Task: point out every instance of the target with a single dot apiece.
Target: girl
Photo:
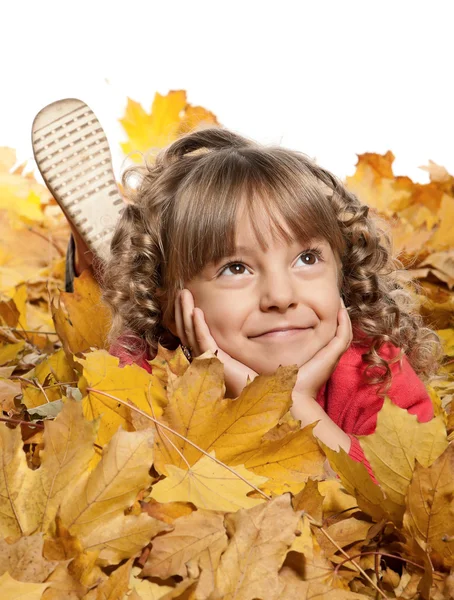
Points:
(262, 256)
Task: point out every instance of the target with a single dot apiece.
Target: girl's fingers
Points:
(179, 320)
(187, 308)
(203, 335)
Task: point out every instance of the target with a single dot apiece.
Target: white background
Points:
(332, 78)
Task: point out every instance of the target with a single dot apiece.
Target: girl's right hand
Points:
(194, 333)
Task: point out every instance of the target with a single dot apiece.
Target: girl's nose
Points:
(278, 293)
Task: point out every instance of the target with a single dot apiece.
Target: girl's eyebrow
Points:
(249, 250)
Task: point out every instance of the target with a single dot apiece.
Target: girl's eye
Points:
(311, 257)
(235, 268)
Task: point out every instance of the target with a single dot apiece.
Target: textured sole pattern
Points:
(73, 156)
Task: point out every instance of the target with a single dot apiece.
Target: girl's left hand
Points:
(313, 374)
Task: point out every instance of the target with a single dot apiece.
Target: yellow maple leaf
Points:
(94, 510)
(130, 383)
(359, 484)
(288, 462)
(170, 117)
(233, 428)
(374, 182)
(443, 237)
(208, 485)
(399, 440)
(68, 449)
(81, 319)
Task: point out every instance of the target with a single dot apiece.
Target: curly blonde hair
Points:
(181, 216)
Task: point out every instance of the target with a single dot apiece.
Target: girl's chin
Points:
(270, 367)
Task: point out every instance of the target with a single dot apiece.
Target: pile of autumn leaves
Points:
(116, 483)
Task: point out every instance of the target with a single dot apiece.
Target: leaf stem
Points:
(349, 559)
(21, 422)
(156, 422)
(376, 553)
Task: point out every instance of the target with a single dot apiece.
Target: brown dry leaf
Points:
(429, 515)
(209, 485)
(222, 425)
(9, 315)
(8, 391)
(24, 561)
(18, 590)
(117, 585)
(344, 533)
(442, 261)
(288, 462)
(398, 441)
(291, 587)
(130, 383)
(259, 541)
(310, 501)
(196, 544)
(437, 305)
(168, 512)
(81, 319)
(63, 585)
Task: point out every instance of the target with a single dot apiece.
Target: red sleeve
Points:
(354, 404)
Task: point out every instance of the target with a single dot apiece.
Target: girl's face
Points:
(289, 287)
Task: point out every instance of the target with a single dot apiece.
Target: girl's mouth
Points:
(281, 334)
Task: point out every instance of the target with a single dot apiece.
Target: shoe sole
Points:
(73, 156)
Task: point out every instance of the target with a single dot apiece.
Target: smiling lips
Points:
(284, 332)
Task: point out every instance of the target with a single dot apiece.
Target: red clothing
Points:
(351, 404)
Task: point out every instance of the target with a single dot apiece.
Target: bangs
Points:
(273, 186)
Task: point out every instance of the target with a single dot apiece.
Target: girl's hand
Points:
(194, 333)
(313, 374)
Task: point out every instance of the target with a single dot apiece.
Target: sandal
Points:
(73, 156)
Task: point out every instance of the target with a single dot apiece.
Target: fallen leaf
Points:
(259, 541)
(130, 383)
(208, 485)
(18, 590)
(398, 441)
(221, 425)
(288, 462)
(81, 319)
(196, 544)
(68, 449)
(104, 493)
(24, 561)
(359, 484)
(429, 506)
(309, 500)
